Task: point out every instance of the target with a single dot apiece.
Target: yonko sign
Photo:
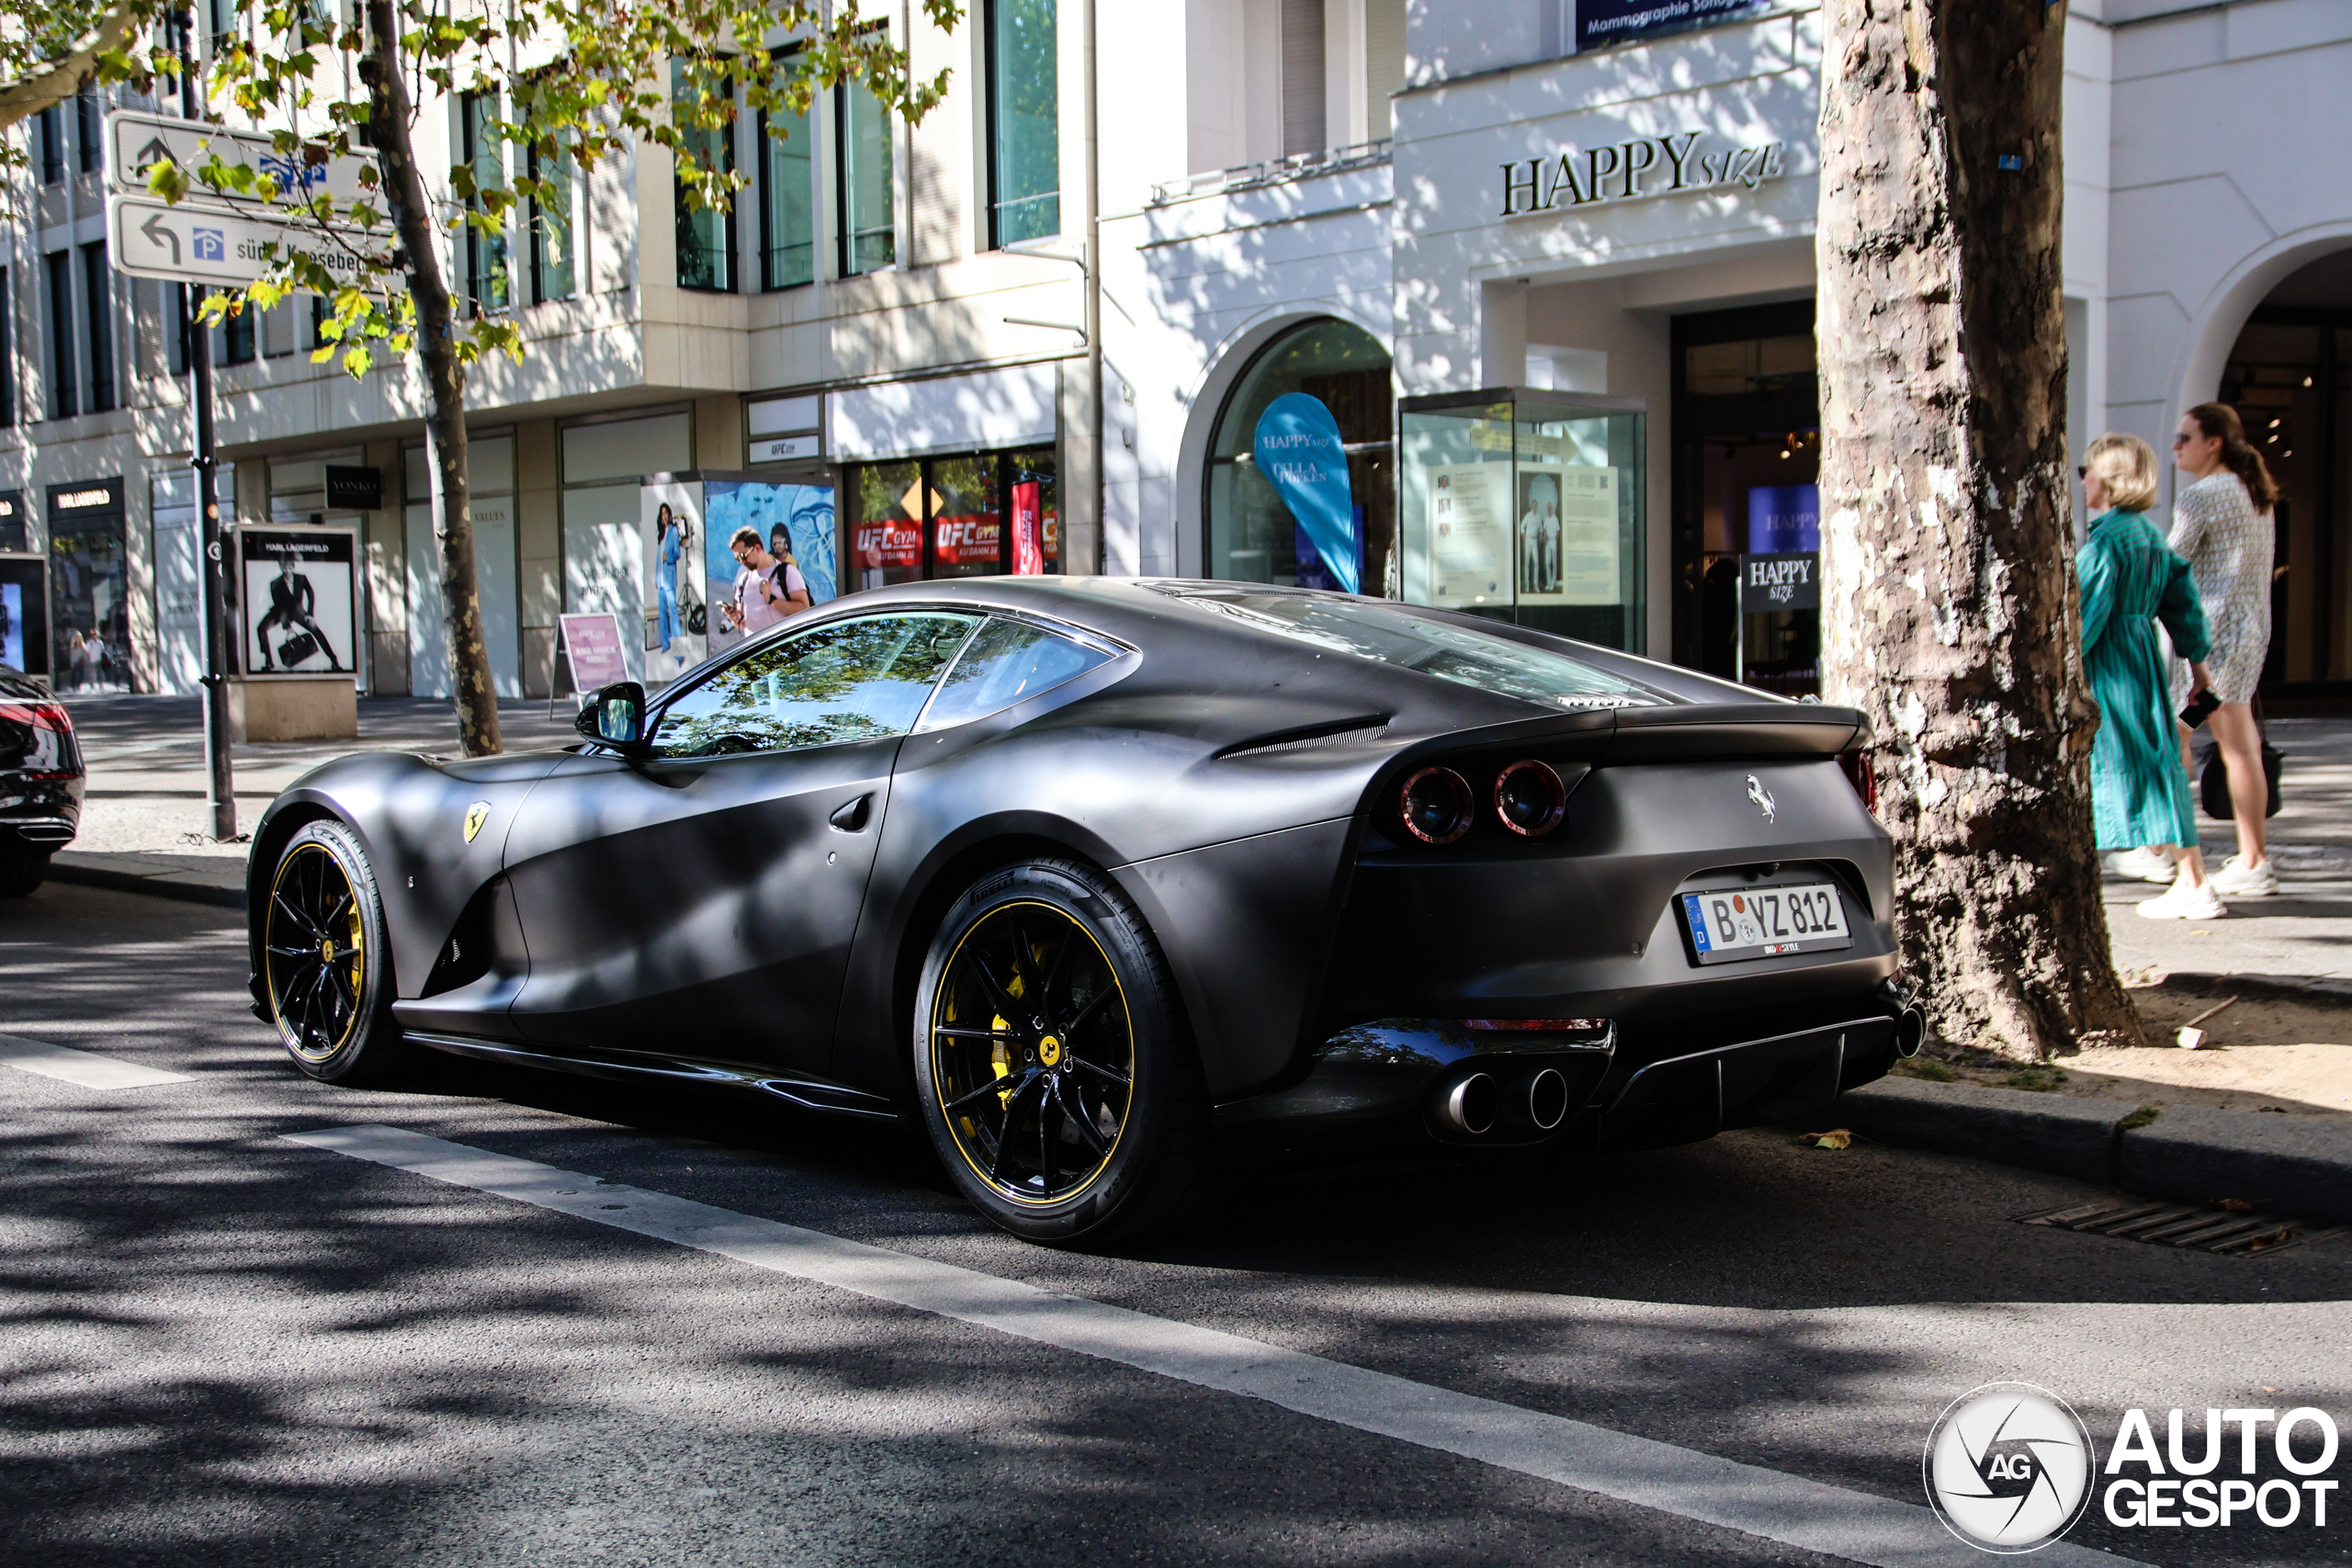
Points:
(2010, 1468)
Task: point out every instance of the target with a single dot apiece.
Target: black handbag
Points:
(299, 647)
(2213, 781)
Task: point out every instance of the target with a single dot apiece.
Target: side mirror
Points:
(615, 715)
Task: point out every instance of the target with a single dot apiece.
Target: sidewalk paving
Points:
(2304, 932)
(144, 823)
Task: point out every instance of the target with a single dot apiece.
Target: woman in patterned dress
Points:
(2222, 525)
(2130, 579)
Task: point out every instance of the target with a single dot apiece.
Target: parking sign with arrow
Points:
(196, 243)
(137, 142)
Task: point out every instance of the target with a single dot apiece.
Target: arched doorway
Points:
(2289, 377)
(1250, 534)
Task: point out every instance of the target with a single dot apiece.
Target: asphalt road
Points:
(219, 1346)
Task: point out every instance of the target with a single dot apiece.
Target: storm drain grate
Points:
(2232, 1231)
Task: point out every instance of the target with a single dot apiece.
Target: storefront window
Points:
(1530, 509)
(89, 587)
(966, 518)
(1747, 454)
(1254, 535)
(980, 515)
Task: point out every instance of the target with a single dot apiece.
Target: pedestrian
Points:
(766, 589)
(2222, 525)
(2132, 579)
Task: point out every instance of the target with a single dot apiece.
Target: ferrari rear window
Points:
(1369, 629)
(1008, 662)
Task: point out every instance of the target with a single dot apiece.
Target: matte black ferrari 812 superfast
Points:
(1101, 879)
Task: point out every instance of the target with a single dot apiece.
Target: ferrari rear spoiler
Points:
(1733, 729)
(1670, 732)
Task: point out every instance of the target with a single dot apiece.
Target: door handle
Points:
(850, 818)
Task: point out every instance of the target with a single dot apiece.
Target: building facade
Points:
(1549, 277)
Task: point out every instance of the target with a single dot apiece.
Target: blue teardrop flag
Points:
(1298, 450)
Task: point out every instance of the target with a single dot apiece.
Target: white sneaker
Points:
(2240, 880)
(2144, 866)
(2182, 902)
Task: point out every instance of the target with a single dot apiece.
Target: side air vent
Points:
(1359, 732)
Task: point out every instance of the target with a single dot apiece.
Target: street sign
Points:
(137, 142)
(193, 243)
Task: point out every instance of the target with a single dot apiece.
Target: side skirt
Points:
(831, 1099)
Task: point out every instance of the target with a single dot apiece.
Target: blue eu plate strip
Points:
(1692, 912)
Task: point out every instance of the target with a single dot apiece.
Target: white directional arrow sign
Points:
(137, 142)
(196, 243)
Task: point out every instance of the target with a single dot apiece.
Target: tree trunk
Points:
(1949, 611)
(388, 132)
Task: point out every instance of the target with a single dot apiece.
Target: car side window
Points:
(1006, 663)
(859, 680)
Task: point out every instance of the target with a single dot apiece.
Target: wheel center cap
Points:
(326, 950)
(1049, 1051)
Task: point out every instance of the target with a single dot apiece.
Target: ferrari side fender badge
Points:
(478, 813)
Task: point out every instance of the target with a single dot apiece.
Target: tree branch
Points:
(55, 83)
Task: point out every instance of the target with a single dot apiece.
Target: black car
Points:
(40, 782)
(1100, 877)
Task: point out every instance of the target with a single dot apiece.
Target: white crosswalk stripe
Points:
(89, 1068)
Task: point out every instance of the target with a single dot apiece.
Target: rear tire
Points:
(1044, 979)
(326, 964)
(19, 874)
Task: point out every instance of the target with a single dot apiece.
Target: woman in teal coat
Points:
(2131, 579)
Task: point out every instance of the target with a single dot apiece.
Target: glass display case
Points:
(1526, 505)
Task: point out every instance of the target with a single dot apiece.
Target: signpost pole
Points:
(220, 781)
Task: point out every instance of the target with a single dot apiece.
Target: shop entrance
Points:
(1747, 456)
(2289, 377)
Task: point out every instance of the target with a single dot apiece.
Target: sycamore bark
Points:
(444, 375)
(1950, 610)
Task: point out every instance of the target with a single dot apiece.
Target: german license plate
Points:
(1765, 922)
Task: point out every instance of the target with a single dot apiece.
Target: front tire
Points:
(326, 964)
(1058, 1083)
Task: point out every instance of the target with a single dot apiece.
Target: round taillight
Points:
(1436, 805)
(1529, 798)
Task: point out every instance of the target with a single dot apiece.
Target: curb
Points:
(2294, 1165)
(154, 885)
(2318, 991)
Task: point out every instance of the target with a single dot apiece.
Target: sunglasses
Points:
(2180, 439)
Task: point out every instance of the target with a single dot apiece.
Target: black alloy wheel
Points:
(1057, 1083)
(325, 964)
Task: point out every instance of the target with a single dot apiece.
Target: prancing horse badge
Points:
(476, 814)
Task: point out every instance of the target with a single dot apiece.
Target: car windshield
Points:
(1468, 657)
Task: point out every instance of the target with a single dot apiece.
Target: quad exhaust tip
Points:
(1470, 1106)
(1910, 1031)
(1540, 1099)
(1536, 1100)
